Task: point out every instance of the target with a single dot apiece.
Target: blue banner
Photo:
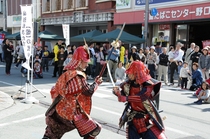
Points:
(142, 2)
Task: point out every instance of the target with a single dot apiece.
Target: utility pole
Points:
(34, 5)
(146, 22)
(5, 14)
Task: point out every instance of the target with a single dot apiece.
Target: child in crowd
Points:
(180, 65)
(37, 59)
(68, 59)
(37, 70)
(45, 58)
(183, 75)
(199, 89)
(204, 93)
(61, 59)
(120, 74)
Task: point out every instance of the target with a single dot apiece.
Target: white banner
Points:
(26, 33)
(66, 33)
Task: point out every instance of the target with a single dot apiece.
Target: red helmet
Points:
(140, 71)
(80, 54)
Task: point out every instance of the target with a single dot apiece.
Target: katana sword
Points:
(114, 45)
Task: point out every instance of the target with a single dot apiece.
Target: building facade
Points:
(176, 20)
(82, 15)
(14, 13)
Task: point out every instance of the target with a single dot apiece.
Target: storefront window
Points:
(181, 33)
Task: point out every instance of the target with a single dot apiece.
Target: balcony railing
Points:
(78, 17)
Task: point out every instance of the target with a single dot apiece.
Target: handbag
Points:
(84, 124)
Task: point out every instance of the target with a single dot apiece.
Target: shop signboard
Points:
(142, 2)
(179, 13)
(123, 4)
(183, 13)
(206, 43)
(164, 27)
(16, 20)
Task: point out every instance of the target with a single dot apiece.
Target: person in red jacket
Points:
(140, 114)
(71, 97)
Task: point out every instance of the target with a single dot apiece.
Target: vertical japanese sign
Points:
(26, 33)
(66, 33)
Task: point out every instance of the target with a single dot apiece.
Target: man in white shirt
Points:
(178, 54)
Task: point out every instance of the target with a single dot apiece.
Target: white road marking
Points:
(100, 95)
(105, 90)
(178, 131)
(2, 66)
(167, 128)
(107, 111)
(47, 91)
(10, 84)
(22, 120)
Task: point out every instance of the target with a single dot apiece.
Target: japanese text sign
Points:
(142, 2)
(26, 31)
(182, 13)
(179, 13)
(66, 33)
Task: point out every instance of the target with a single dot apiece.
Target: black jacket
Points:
(195, 57)
(135, 56)
(7, 51)
(163, 59)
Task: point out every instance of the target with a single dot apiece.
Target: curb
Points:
(5, 101)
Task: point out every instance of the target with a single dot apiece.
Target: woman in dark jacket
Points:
(196, 77)
(7, 55)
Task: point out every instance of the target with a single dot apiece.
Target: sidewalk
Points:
(5, 101)
(16, 118)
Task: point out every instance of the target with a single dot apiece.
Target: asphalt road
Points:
(184, 120)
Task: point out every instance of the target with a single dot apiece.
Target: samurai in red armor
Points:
(140, 114)
(71, 97)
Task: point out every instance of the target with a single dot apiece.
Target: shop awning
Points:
(15, 36)
(48, 36)
(88, 36)
(125, 37)
(5, 33)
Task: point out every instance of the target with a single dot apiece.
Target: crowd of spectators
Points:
(192, 67)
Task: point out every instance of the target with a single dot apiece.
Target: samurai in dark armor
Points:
(71, 97)
(140, 114)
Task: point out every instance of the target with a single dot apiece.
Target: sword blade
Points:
(110, 75)
(118, 37)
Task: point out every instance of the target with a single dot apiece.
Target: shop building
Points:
(82, 15)
(14, 13)
(177, 20)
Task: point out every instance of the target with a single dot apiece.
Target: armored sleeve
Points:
(88, 89)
